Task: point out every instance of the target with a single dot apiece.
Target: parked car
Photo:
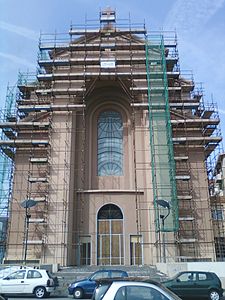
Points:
(28, 281)
(194, 284)
(131, 289)
(85, 287)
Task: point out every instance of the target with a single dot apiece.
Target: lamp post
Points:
(27, 204)
(165, 204)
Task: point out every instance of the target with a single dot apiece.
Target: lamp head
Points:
(28, 203)
(163, 203)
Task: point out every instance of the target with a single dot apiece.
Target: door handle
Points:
(22, 281)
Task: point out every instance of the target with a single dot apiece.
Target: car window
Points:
(100, 275)
(33, 274)
(117, 274)
(203, 276)
(139, 293)
(17, 275)
(187, 277)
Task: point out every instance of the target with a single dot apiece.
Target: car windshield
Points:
(174, 296)
(6, 271)
(17, 275)
(100, 291)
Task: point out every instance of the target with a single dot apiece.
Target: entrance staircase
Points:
(66, 275)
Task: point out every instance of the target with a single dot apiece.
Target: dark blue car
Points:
(84, 288)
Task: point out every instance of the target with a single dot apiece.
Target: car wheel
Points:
(214, 295)
(78, 293)
(40, 292)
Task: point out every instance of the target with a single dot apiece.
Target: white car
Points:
(28, 281)
(131, 289)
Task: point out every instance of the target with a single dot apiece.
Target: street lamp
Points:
(28, 203)
(165, 204)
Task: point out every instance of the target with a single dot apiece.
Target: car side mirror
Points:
(178, 280)
(7, 278)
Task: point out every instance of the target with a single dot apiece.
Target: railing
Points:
(27, 79)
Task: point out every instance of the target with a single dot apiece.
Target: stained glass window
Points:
(110, 144)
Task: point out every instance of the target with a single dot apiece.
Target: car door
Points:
(89, 289)
(14, 283)
(204, 281)
(32, 279)
(184, 285)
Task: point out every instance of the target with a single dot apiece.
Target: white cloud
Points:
(221, 111)
(17, 60)
(191, 14)
(25, 32)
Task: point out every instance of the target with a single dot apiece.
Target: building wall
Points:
(76, 193)
(202, 205)
(136, 203)
(17, 222)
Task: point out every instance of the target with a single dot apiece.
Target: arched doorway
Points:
(110, 241)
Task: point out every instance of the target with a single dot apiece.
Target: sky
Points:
(200, 27)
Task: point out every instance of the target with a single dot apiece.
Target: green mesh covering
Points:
(162, 157)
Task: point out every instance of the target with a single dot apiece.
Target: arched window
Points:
(110, 236)
(110, 211)
(110, 144)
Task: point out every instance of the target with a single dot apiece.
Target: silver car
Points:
(131, 289)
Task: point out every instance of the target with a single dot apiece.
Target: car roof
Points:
(112, 270)
(127, 279)
(183, 272)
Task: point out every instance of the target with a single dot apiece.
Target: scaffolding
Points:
(7, 154)
(51, 134)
